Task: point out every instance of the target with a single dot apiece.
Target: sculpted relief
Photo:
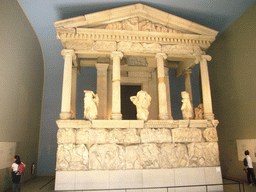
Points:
(134, 24)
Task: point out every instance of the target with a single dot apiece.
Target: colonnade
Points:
(68, 107)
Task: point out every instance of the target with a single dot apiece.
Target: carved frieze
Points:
(65, 136)
(203, 154)
(187, 135)
(72, 157)
(124, 136)
(182, 49)
(137, 61)
(134, 24)
(143, 156)
(107, 157)
(174, 155)
(126, 46)
(210, 134)
(86, 45)
(155, 136)
(105, 46)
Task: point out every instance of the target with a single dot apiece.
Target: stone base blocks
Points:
(131, 145)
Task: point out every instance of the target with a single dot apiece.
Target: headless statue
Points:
(142, 102)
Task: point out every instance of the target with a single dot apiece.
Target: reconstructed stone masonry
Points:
(85, 145)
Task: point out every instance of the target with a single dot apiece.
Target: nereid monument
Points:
(135, 45)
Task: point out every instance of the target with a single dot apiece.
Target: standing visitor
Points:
(249, 167)
(16, 175)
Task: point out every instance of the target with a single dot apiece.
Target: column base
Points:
(116, 116)
(163, 116)
(65, 115)
(209, 116)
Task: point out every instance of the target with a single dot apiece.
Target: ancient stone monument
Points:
(135, 45)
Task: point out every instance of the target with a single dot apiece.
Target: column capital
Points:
(202, 57)
(101, 66)
(116, 54)
(207, 57)
(161, 55)
(187, 71)
(65, 52)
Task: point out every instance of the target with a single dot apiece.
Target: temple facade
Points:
(135, 46)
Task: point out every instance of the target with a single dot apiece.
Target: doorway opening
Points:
(128, 109)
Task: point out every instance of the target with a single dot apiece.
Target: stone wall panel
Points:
(72, 157)
(210, 134)
(65, 136)
(203, 154)
(174, 155)
(106, 157)
(155, 135)
(143, 156)
(187, 135)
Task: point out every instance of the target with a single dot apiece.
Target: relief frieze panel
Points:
(135, 24)
(182, 49)
(86, 45)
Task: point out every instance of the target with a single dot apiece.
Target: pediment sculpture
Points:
(134, 24)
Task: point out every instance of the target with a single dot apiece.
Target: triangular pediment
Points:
(137, 17)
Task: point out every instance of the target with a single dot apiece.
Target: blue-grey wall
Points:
(21, 86)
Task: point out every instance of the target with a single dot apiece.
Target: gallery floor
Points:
(46, 184)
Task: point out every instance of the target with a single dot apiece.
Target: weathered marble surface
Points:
(72, 157)
(187, 135)
(142, 156)
(65, 136)
(163, 144)
(203, 154)
(210, 134)
(155, 135)
(142, 102)
(174, 155)
(91, 102)
(186, 108)
(107, 157)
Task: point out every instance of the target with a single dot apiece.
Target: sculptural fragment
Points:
(91, 102)
(199, 111)
(142, 102)
(186, 108)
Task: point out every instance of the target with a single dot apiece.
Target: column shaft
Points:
(67, 81)
(162, 99)
(188, 86)
(102, 90)
(73, 93)
(206, 91)
(116, 86)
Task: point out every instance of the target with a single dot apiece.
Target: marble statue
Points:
(142, 102)
(186, 108)
(199, 111)
(91, 102)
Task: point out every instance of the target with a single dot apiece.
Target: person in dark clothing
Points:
(16, 176)
(250, 172)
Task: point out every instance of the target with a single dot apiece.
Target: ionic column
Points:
(188, 87)
(102, 89)
(116, 90)
(162, 99)
(67, 81)
(206, 90)
(168, 92)
(73, 93)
